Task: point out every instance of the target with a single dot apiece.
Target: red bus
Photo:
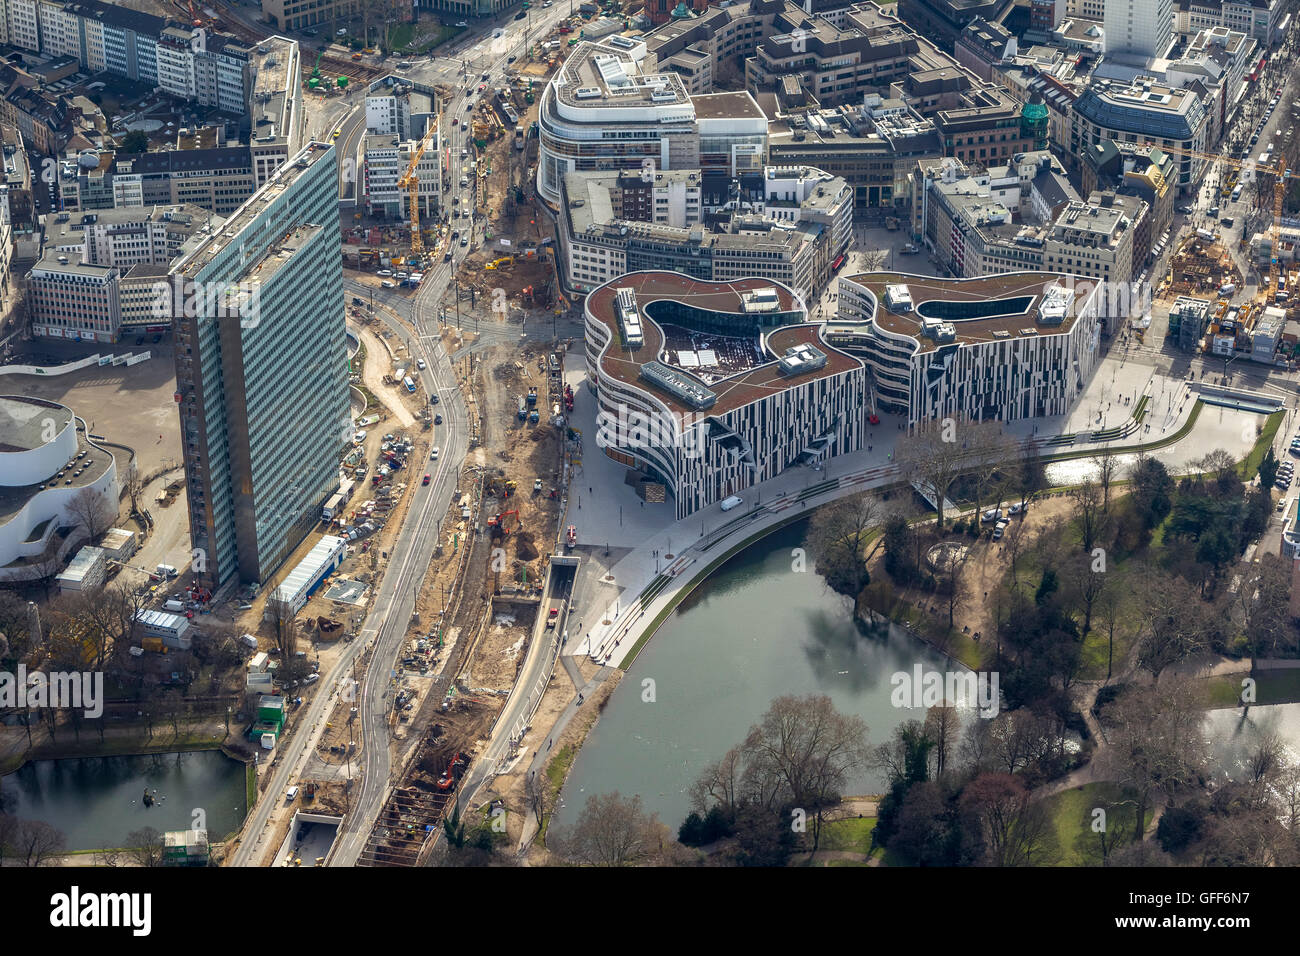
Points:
(835, 266)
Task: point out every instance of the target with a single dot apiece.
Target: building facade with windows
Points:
(766, 394)
(1004, 347)
(261, 371)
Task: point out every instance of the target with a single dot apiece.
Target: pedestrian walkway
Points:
(649, 559)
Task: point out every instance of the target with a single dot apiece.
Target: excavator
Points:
(499, 523)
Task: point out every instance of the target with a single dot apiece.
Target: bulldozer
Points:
(500, 487)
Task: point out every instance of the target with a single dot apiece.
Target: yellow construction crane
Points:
(1280, 176)
(411, 183)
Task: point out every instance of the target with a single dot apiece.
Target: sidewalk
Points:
(648, 549)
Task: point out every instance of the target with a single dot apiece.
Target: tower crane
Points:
(411, 183)
(1280, 174)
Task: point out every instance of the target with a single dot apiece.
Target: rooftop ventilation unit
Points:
(1001, 334)
(1055, 305)
(801, 358)
(679, 385)
(586, 92)
(939, 330)
(663, 96)
(760, 300)
(1028, 331)
(629, 320)
(898, 298)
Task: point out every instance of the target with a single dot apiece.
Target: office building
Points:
(1143, 29)
(261, 370)
(709, 388)
(1002, 347)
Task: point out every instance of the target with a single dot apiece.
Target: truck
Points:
(519, 137)
(532, 396)
(568, 398)
(533, 417)
(332, 507)
(410, 385)
(523, 409)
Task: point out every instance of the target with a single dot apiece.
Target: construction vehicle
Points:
(411, 183)
(571, 537)
(537, 486)
(568, 398)
(534, 417)
(498, 263)
(552, 617)
(1281, 174)
(523, 408)
(455, 769)
(532, 396)
(501, 525)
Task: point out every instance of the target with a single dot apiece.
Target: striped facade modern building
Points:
(1006, 347)
(713, 387)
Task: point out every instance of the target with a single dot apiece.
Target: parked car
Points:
(433, 453)
(437, 419)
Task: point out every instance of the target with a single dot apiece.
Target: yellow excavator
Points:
(498, 263)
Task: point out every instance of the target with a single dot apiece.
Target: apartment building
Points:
(385, 161)
(97, 278)
(218, 179)
(873, 147)
(768, 237)
(601, 112)
(1139, 28)
(1261, 20)
(944, 20)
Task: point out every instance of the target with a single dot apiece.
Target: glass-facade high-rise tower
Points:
(261, 371)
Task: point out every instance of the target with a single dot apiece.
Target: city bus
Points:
(409, 383)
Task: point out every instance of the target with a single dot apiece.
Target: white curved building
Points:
(1007, 347)
(599, 112)
(44, 464)
(712, 387)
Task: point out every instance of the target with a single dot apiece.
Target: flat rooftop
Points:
(1022, 291)
(253, 207)
(23, 421)
(733, 391)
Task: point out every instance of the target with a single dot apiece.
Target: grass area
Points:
(1271, 687)
(403, 38)
(1140, 411)
(250, 783)
(1073, 815)
(1250, 464)
(556, 773)
(1092, 656)
(853, 834)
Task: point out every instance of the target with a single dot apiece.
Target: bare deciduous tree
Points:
(933, 456)
(611, 831)
(809, 749)
(1155, 741)
(1014, 829)
(838, 534)
(1089, 514)
(92, 511)
(145, 847)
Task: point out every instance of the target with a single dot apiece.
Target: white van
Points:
(174, 605)
(166, 571)
(734, 501)
(291, 794)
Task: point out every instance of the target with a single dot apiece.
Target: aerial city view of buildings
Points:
(376, 381)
